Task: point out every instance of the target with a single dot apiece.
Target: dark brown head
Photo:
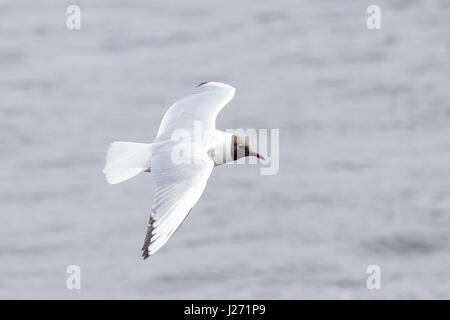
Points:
(240, 148)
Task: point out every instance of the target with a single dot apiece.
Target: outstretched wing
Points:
(180, 185)
(178, 188)
(203, 105)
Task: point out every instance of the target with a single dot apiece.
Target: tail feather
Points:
(125, 160)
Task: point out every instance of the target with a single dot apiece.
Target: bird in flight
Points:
(180, 159)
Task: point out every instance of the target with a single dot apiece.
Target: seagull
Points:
(180, 180)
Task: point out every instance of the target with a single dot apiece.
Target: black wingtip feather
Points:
(147, 241)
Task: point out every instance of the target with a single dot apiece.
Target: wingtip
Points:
(202, 83)
(145, 252)
(216, 84)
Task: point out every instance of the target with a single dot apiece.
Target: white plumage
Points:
(124, 160)
(178, 185)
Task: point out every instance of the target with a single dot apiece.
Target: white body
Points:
(178, 185)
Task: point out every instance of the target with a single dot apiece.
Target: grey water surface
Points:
(364, 173)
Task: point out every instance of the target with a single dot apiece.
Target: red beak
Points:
(260, 156)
